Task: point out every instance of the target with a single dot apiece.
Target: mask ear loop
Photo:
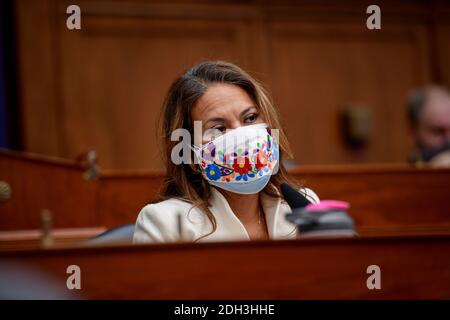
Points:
(195, 148)
(198, 155)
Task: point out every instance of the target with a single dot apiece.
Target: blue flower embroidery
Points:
(212, 172)
(245, 176)
(265, 169)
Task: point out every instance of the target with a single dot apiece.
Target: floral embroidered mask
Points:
(241, 160)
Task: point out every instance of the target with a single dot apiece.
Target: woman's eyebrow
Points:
(247, 110)
(217, 119)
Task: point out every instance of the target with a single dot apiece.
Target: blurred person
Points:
(230, 194)
(23, 282)
(429, 120)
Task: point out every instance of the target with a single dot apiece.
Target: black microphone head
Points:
(294, 198)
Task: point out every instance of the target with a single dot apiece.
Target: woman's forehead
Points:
(222, 100)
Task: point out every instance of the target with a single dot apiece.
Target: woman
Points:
(232, 191)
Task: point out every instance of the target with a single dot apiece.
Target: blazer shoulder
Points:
(158, 222)
(170, 205)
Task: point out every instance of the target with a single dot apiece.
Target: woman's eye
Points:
(251, 118)
(220, 128)
(212, 133)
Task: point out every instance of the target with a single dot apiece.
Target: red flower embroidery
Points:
(242, 165)
(261, 161)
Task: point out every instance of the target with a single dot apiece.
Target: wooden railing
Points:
(411, 267)
(380, 195)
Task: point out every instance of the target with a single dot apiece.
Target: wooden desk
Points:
(384, 195)
(412, 267)
(23, 239)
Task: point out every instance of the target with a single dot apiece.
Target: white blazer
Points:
(159, 222)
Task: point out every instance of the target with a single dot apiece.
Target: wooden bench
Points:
(33, 239)
(380, 195)
(412, 267)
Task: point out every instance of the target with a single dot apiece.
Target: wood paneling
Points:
(318, 70)
(38, 183)
(122, 196)
(387, 196)
(443, 49)
(411, 268)
(102, 86)
(38, 72)
(116, 72)
(32, 239)
(394, 195)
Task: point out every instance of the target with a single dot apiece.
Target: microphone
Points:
(325, 219)
(294, 198)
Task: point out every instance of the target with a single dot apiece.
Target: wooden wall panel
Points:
(443, 49)
(440, 34)
(37, 85)
(115, 77)
(318, 70)
(122, 196)
(102, 87)
(384, 196)
(39, 183)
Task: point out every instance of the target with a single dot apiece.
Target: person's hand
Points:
(442, 160)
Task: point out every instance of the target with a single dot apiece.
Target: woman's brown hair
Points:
(182, 181)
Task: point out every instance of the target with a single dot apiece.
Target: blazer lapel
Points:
(229, 227)
(275, 210)
(228, 224)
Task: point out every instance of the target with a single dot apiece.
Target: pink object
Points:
(327, 205)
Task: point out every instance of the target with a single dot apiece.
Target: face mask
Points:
(429, 153)
(241, 160)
